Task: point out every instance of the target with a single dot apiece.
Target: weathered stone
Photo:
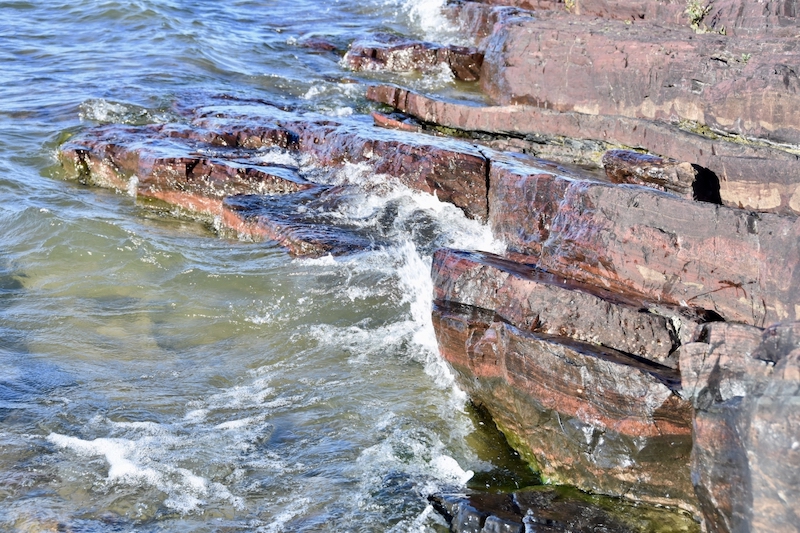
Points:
(145, 161)
(625, 166)
(556, 509)
(290, 221)
(539, 302)
(390, 53)
(730, 17)
(634, 239)
(454, 170)
(722, 365)
(584, 415)
(745, 87)
(477, 20)
(746, 452)
(752, 177)
(386, 121)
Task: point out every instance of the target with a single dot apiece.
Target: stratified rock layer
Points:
(588, 416)
(747, 176)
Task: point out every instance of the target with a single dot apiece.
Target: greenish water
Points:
(155, 376)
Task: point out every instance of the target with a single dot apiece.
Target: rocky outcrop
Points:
(669, 175)
(624, 342)
(747, 176)
(385, 52)
(745, 387)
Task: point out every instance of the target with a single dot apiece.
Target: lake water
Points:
(155, 376)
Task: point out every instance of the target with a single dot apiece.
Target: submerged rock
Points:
(555, 510)
(394, 54)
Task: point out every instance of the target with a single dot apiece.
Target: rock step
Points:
(744, 384)
(588, 416)
(749, 87)
(540, 302)
(455, 171)
(749, 176)
(390, 53)
(668, 175)
(741, 265)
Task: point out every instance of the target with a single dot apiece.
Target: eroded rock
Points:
(539, 302)
(394, 54)
(739, 264)
(592, 417)
(626, 166)
(746, 452)
(748, 176)
(747, 87)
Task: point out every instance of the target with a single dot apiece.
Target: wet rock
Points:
(453, 170)
(539, 302)
(556, 510)
(749, 176)
(146, 161)
(738, 264)
(390, 122)
(294, 222)
(477, 19)
(746, 456)
(585, 415)
(394, 54)
(625, 166)
(747, 87)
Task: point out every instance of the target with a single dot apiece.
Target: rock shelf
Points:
(639, 337)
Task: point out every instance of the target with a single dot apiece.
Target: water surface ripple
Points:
(157, 377)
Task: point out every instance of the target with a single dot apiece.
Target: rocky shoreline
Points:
(640, 336)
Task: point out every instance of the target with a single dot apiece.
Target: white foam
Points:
(427, 16)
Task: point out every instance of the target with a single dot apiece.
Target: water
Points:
(155, 376)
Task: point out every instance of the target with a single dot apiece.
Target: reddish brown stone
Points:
(290, 221)
(536, 301)
(625, 166)
(634, 239)
(586, 416)
(747, 87)
(746, 453)
(394, 54)
(730, 17)
(385, 121)
(753, 177)
(453, 170)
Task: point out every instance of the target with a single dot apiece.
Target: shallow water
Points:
(155, 376)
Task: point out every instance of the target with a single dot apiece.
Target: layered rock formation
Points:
(639, 336)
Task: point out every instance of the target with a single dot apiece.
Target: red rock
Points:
(291, 221)
(538, 302)
(584, 415)
(625, 166)
(731, 17)
(394, 54)
(385, 121)
(455, 171)
(749, 176)
(736, 263)
(746, 452)
(642, 71)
